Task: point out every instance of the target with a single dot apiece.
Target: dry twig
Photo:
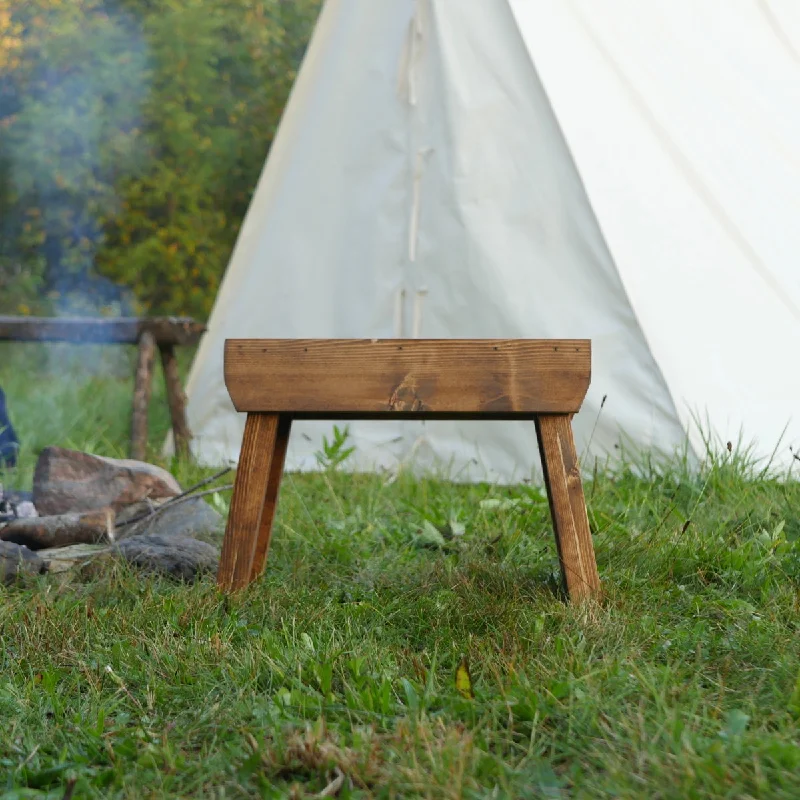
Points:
(189, 494)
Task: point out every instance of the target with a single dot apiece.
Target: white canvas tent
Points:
(623, 171)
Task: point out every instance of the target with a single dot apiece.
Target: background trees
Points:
(131, 136)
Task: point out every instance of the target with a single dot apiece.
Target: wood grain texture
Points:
(271, 496)
(176, 400)
(62, 530)
(568, 506)
(412, 378)
(247, 502)
(119, 330)
(142, 390)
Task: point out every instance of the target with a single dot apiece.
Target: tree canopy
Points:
(131, 137)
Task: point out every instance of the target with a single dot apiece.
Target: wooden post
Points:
(141, 395)
(176, 399)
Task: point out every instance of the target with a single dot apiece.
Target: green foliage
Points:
(334, 452)
(131, 136)
(69, 131)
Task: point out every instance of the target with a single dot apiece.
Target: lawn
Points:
(335, 673)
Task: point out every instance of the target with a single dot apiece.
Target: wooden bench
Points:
(149, 333)
(276, 381)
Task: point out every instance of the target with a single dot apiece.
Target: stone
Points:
(176, 556)
(16, 561)
(68, 481)
(26, 510)
(193, 518)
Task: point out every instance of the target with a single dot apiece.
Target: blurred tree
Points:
(71, 114)
(131, 136)
(10, 37)
(16, 284)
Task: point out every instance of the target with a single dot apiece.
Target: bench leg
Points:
(250, 493)
(271, 498)
(567, 506)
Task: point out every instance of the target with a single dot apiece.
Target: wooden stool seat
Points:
(277, 380)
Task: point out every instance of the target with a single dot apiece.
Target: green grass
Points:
(683, 683)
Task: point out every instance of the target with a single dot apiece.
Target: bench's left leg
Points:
(567, 505)
(261, 434)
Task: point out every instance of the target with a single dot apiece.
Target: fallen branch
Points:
(175, 501)
(187, 494)
(42, 533)
(200, 485)
(185, 499)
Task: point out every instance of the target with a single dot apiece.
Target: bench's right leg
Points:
(250, 491)
(567, 506)
(271, 497)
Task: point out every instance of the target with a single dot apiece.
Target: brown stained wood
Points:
(247, 503)
(567, 506)
(277, 380)
(176, 399)
(141, 395)
(420, 378)
(271, 497)
(119, 330)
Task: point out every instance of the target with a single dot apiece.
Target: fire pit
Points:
(85, 506)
